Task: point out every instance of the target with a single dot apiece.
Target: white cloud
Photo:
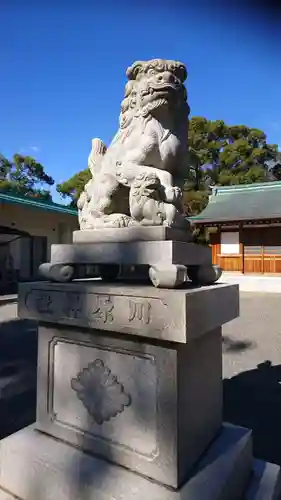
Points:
(35, 148)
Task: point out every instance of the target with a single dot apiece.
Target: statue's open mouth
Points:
(164, 92)
(163, 89)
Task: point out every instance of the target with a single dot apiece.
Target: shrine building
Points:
(244, 223)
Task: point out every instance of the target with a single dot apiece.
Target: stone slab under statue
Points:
(170, 262)
(135, 193)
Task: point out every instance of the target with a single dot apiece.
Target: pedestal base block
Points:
(170, 261)
(35, 466)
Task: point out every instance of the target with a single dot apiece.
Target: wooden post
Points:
(242, 247)
(262, 251)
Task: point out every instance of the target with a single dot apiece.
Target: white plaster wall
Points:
(56, 227)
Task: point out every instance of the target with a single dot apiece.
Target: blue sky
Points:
(63, 71)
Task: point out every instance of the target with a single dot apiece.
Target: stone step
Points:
(265, 483)
(35, 466)
(266, 489)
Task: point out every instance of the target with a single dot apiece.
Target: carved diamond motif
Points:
(100, 392)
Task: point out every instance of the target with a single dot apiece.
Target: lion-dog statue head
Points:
(152, 85)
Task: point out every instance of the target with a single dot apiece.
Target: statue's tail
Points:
(96, 155)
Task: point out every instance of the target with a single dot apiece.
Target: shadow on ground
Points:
(18, 361)
(231, 345)
(253, 399)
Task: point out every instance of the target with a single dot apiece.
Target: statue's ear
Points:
(133, 71)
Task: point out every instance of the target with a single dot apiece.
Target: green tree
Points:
(220, 154)
(73, 187)
(230, 154)
(23, 175)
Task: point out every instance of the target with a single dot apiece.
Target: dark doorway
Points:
(20, 256)
(9, 250)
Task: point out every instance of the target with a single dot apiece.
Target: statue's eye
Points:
(151, 72)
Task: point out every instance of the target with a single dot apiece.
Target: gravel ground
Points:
(251, 370)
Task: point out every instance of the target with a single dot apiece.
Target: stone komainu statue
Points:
(138, 179)
(138, 182)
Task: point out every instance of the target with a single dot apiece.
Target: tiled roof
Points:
(37, 203)
(243, 202)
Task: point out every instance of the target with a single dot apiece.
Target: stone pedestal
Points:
(129, 402)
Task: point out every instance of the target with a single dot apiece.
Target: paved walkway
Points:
(18, 360)
(269, 283)
(252, 371)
